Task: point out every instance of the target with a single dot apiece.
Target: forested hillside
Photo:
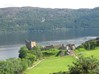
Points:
(45, 19)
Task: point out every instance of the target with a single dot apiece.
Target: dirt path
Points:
(73, 54)
(76, 57)
(34, 65)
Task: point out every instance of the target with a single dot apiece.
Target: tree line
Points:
(89, 45)
(32, 19)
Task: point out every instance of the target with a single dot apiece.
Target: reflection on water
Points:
(20, 37)
(10, 51)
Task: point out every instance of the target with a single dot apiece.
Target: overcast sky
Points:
(75, 4)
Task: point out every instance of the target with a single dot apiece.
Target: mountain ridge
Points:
(34, 19)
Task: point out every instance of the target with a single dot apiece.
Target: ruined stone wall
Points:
(33, 44)
(30, 44)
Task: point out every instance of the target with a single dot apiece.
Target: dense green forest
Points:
(26, 19)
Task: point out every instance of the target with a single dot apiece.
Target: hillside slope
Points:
(45, 19)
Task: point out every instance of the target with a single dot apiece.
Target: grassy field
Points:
(56, 64)
(87, 53)
(52, 64)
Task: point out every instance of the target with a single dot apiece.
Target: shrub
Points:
(50, 52)
(37, 52)
(84, 65)
(23, 52)
(13, 66)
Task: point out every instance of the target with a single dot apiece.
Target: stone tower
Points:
(30, 44)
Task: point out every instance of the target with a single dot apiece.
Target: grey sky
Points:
(50, 3)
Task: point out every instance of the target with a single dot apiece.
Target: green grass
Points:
(87, 53)
(56, 64)
(52, 64)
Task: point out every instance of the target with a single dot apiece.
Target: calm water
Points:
(11, 51)
(20, 37)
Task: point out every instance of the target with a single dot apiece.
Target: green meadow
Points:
(51, 64)
(56, 64)
(87, 53)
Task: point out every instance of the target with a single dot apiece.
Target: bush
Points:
(23, 52)
(13, 66)
(31, 57)
(50, 52)
(37, 52)
(85, 65)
